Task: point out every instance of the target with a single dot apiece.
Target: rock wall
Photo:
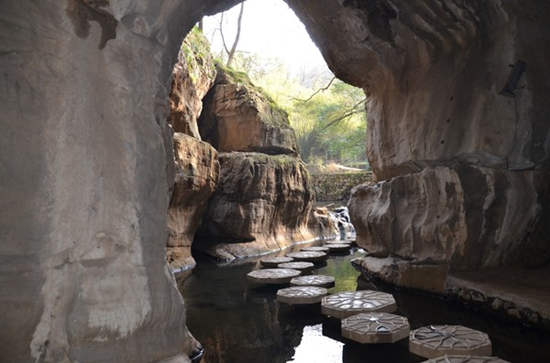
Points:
(337, 187)
(197, 172)
(262, 204)
(264, 197)
(457, 106)
(86, 171)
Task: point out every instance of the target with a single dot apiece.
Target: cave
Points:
(458, 137)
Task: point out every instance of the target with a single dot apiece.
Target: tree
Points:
(231, 52)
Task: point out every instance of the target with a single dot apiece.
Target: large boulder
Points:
(197, 171)
(192, 77)
(239, 116)
(466, 216)
(262, 204)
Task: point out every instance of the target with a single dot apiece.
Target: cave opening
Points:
(260, 124)
(461, 208)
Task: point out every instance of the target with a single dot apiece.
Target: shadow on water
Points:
(239, 323)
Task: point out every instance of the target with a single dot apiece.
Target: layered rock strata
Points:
(262, 204)
(197, 172)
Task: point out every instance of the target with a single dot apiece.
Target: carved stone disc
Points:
(437, 340)
(375, 328)
(349, 303)
(272, 275)
(308, 256)
(275, 261)
(315, 249)
(313, 280)
(300, 266)
(299, 295)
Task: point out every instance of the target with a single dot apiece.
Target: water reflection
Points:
(237, 323)
(315, 347)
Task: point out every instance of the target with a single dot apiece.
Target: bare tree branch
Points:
(237, 37)
(221, 33)
(318, 91)
(352, 111)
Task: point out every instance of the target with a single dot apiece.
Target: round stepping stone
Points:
(313, 280)
(436, 340)
(272, 275)
(465, 359)
(300, 266)
(349, 303)
(337, 242)
(373, 328)
(316, 249)
(301, 295)
(275, 261)
(339, 247)
(308, 256)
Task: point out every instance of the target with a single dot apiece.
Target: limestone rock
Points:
(197, 172)
(448, 83)
(192, 77)
(464, 215)
(87, 165)
(238, 116)
(261, 204)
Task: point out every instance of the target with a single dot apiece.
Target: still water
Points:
(239, 324)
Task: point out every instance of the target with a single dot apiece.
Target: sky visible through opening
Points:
(270, 29)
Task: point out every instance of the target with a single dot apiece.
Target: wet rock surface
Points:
(197, 172)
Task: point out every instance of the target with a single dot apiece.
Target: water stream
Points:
(237, 323)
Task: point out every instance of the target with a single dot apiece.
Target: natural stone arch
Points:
(84, 197)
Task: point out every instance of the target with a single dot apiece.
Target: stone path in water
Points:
(300, 266)
(375, 328)
(275, 261)
(272, 276)
(366, 315)
(349, 303)
(308, 256)
(313, 280)
(435, 340)
(301, 295)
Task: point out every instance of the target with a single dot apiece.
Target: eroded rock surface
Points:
(87, 165)
(240, 117)
(192, 77)
(467, 216)
(458, 89)
(262, 203)
(197, 172)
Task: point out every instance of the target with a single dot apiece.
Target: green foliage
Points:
(329, 126)
(196, 50)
